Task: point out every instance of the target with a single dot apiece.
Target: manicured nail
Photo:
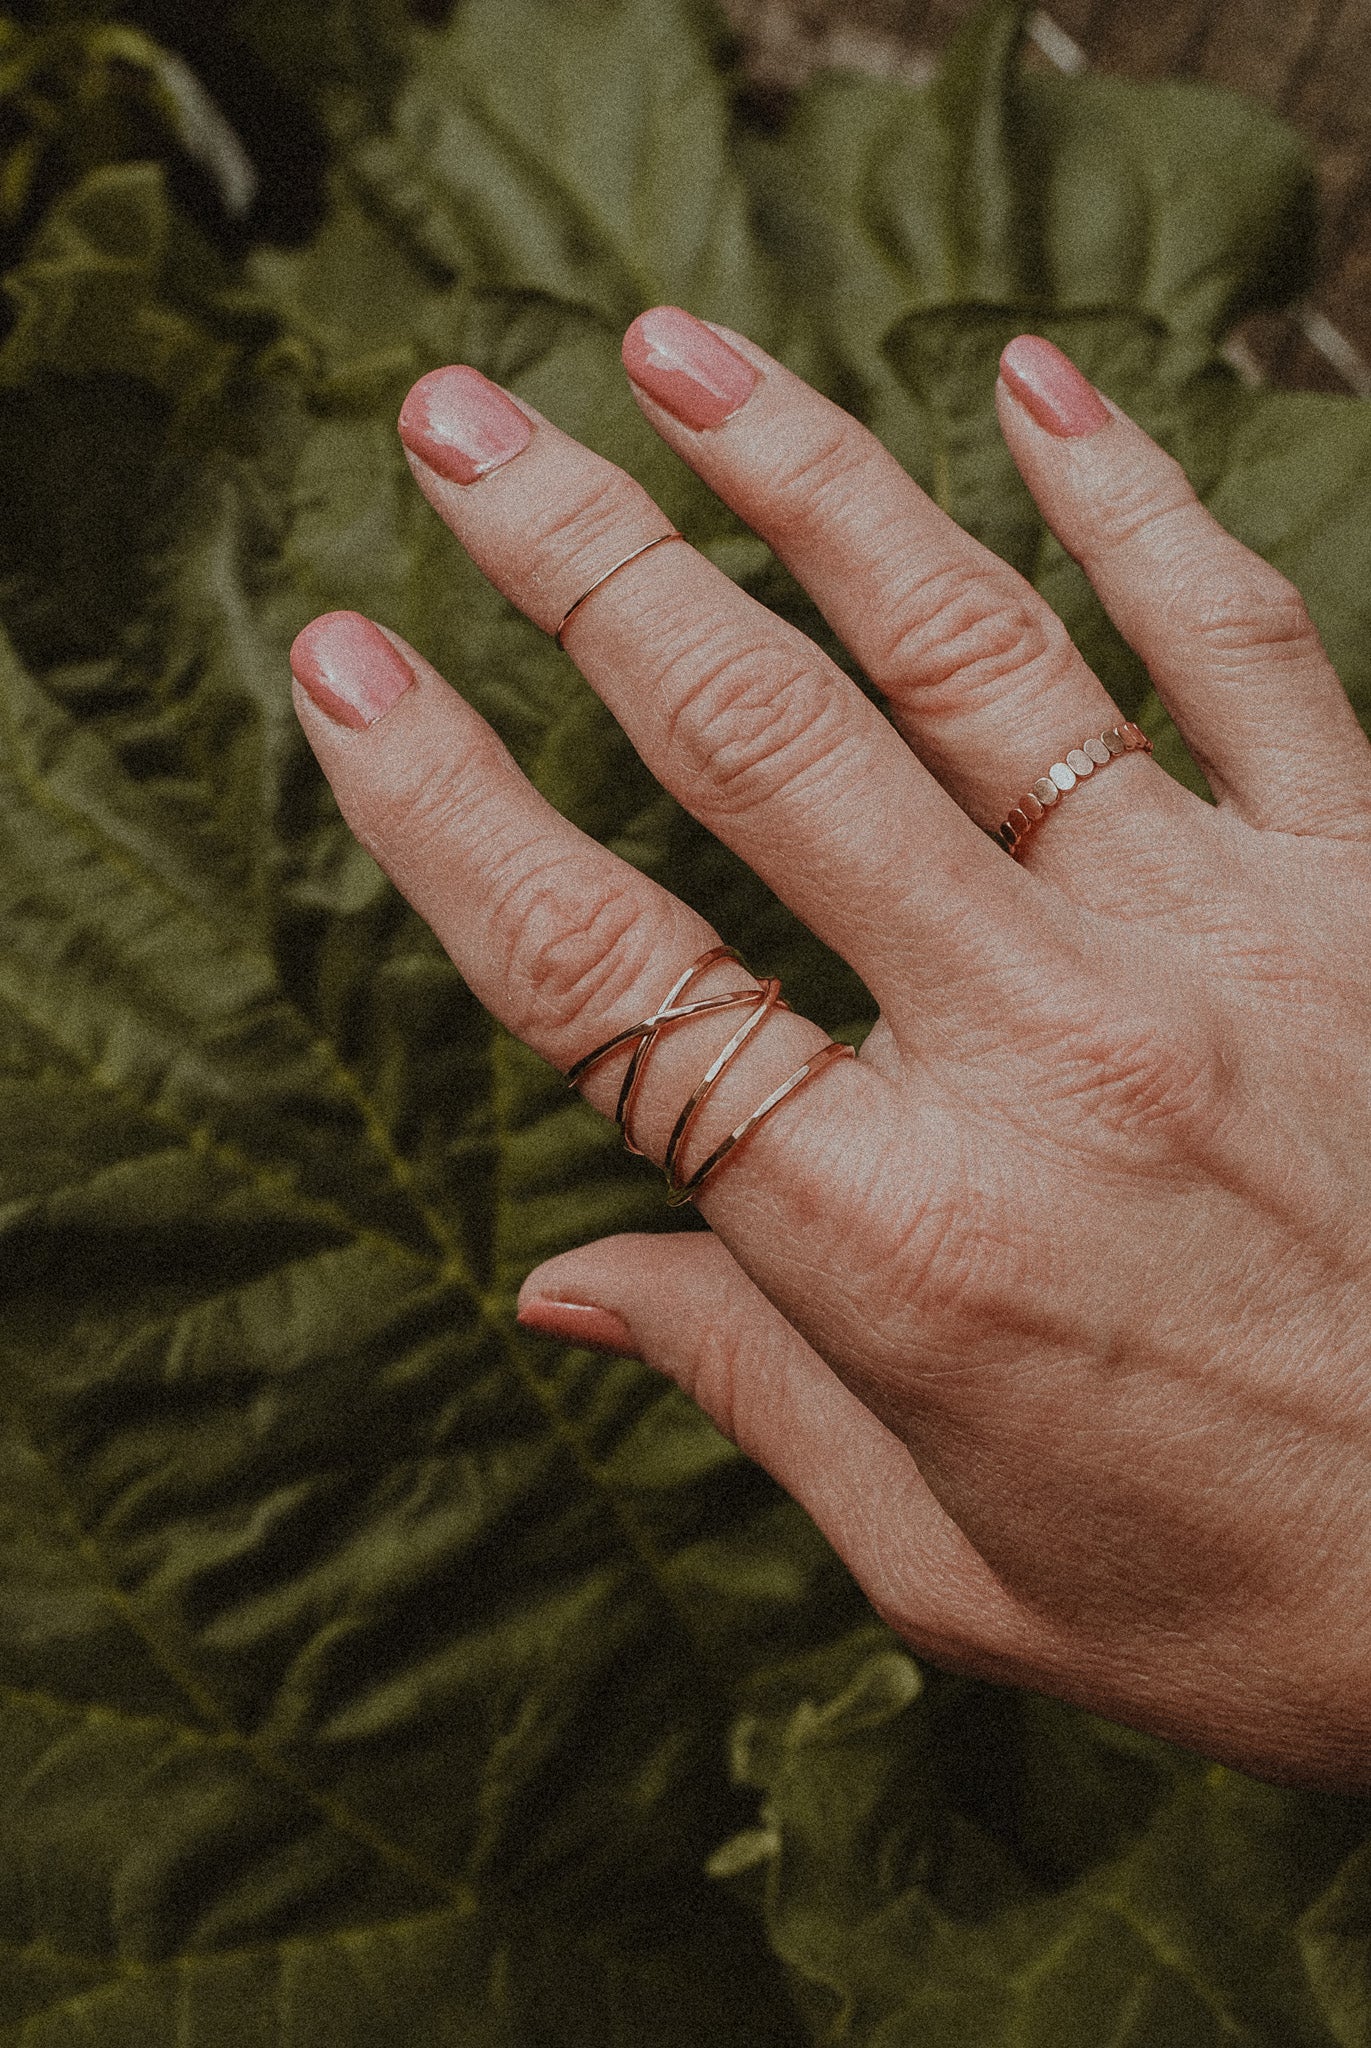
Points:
(1049, 386)
(579, 1322)
(462, 425)
(349, 668)
(684, 365)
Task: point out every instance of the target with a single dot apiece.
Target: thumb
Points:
(683, 1304)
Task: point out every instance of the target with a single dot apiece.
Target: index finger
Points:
(561, 940)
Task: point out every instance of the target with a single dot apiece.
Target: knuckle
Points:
(750, 723)
(967, 632)
(1141, 503)
(1137, 1077)
(568, 542)
(570, 952)
(1254, 609)
(813, 473)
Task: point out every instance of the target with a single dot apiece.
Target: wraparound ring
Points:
(645, 549)
(762, 1000)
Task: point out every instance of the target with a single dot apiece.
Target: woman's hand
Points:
(1054, 1309)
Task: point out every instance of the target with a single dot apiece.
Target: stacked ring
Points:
(762, 1000)
(1035, 803)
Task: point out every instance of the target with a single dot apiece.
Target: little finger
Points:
(1226, 638)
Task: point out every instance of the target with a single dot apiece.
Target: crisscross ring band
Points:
(1035, 803)
(648, 545)
(760, 1002)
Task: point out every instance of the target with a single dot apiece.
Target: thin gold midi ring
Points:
(591, 589)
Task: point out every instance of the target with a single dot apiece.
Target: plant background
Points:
(370, 1672)
(1306, 59)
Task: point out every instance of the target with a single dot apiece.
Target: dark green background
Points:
(371, 1673)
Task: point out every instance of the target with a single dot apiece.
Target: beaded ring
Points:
(1035, 803)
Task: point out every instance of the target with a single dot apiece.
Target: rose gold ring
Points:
(645, 549)
(762, 1000)
(1035, 803)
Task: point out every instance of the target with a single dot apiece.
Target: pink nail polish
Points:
(1050, 387)
(684, 365)
(462, 425)
(579, 1322)
(349, 669)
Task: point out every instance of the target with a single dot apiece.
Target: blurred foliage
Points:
(370, 1672)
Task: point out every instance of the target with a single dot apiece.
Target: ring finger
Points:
(981, 675)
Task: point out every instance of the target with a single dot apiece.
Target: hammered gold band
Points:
(761, 1001)
(1033, 806)
(648, 545)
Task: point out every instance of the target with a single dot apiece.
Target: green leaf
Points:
(584, 152)
(369, 1671)
(1046, 194)
(113, 285)
(987, 1869)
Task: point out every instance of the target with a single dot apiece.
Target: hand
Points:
(1053, 1309)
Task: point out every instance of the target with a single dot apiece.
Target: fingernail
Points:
(349, 669)
(1052, 389)
(462, 425)
(579, 1322)
(684, 365)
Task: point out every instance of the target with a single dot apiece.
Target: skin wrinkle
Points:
(1098, 1085)
(1003, 1305)
(937, 1260)
(1135, 821)
(819, 472)
(1253, 615)
(574, 958)
(782, 729)
(416, 816)
(971, 635)
(604, 517)
(1134, 509)
(1145, 1083)
(1260, 613)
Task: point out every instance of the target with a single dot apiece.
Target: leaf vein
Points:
(38, 787)
(202, 1142)
(1175, 1962)
(273, 1769)
(118, 1977)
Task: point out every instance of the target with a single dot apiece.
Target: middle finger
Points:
(742, 717)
